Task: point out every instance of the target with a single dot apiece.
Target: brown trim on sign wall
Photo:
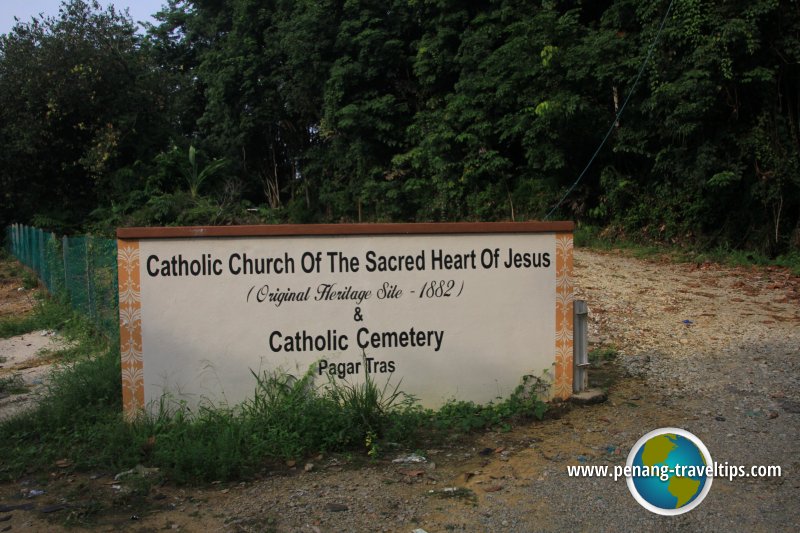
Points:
(283, 230)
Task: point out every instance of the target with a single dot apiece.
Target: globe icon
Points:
(669, 471)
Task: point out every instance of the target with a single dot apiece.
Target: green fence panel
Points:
(75, 265)
(81, 269)
(103, 290)
(55, 266)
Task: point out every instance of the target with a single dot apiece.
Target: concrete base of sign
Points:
(589, 397)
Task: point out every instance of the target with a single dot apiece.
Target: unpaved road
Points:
(709, 349)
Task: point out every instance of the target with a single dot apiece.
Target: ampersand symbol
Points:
(357, 316)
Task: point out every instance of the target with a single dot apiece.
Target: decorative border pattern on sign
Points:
(130, 327)
(564, 316)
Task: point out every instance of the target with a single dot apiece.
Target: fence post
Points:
(35, 250)
(32, 247)
(29, 238)
(42, 254)
(64, 254)
(24, 245)
(51, 263)
(88, 279)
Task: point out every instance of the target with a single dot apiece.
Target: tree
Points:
(507, 114)
(710, 147)
(78, 102)
(341, 110)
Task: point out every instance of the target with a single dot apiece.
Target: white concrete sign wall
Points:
(457, 311)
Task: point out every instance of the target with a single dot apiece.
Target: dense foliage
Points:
(363, 110)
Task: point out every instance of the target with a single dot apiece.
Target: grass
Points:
(464, 417)
(18, 325)
(10, 269)
(12, 385)
(745, 258)
(79, 419)
(461, 493)
(595, 238)
(602, 354)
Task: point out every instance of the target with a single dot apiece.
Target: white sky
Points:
(140, 10)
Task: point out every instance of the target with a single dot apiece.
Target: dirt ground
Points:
(24, 360)
(710, 349)
(14, 298)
